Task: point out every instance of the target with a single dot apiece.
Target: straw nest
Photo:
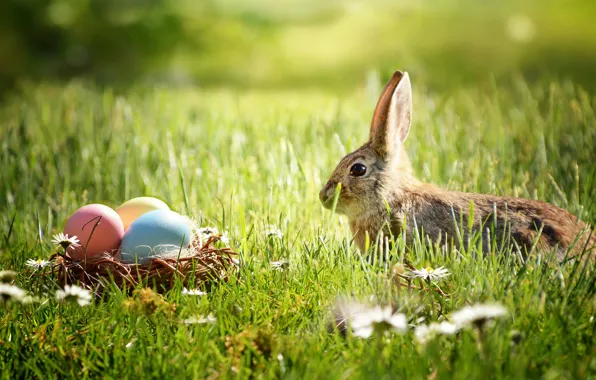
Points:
(203, 263)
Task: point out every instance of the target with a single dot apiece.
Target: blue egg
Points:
(155, 234)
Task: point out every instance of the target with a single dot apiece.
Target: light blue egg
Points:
(155, 234)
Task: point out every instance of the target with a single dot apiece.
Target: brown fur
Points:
(388, 197)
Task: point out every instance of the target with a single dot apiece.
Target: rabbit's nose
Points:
(324, 194)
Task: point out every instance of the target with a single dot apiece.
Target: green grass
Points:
(242, 161)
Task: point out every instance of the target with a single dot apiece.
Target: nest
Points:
(203, 263)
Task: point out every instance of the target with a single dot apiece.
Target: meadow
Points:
(252, 161)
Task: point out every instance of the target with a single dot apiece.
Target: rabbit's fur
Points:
(388, 198)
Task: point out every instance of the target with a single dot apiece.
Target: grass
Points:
(244, 161)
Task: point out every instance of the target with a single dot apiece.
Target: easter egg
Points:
(130, 210)
(154, 234)
(98, 228)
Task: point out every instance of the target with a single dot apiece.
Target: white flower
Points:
(74, 293)
(200, 319)
(478, 314)
(7, 276)
(273, 232)
(224, 238)
(11, 293)
(30, 299)
(380, 319)
(425, 332)
(65, 241)
(206, 232)
(38, 264)
(430, 273)
(280, 265)
(193, 292)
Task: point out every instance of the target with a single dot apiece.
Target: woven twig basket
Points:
(202, 264)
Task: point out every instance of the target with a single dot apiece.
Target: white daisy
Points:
(224, 238)
(11, 293)
(30, 299)
(74, 293)
(429, 273)
(199, 319)
(193, 292)
(273, 232)
(38, 264)
(206, 232)
(7, 276)
(426, 332)
(280, 265)
(380, 319)
(478, 314)
(344, 310)
(65, 241)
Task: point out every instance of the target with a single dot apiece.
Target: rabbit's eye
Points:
(358, 170)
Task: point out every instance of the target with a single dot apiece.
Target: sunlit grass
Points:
(246, 161)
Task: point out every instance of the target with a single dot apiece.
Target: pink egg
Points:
(106, 237)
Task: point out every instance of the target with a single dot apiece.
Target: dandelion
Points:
(65, 241)
(377, 319)
(74, 293)
(38, 264)
(11, 293)
(200, 320)
(7, 276)
(425, 332)
(193, 292)
(280, 265)
(273, 232)
(478, 314)
(431, 274)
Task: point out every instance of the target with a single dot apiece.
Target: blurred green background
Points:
(288, 43)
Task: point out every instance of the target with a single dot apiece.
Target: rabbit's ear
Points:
(393, 116)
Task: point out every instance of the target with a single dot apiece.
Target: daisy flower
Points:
(200, 320)
(74, 293)
(11, 293)
(224, 238)
(65, 241)
(431, 274)
(425, 332)
(206, 232)
(38, 264)
(280, 265)
(379, 319)
(273, 232)
(30, 299)
(7, 276)
(193, 292)
(343, 312)
(478, 314)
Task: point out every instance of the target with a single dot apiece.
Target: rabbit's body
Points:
(443, 218)
(379, 193)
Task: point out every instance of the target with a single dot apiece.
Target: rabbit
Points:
(380, 195)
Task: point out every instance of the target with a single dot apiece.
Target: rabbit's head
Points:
(371, 175)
